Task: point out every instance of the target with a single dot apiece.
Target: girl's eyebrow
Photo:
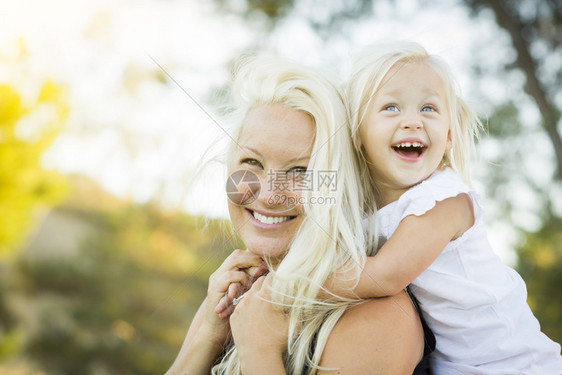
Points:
(429, 92)
(432, 91)
(388, 94)
(434, 98)
(386, 97)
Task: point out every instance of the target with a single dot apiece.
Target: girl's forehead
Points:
(410, 68)
(410, 77)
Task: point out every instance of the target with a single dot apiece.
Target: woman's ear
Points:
(449, 145)
(358, 142)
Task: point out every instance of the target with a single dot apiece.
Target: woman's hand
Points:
(209, 332)
(231, 279)
(260, 330)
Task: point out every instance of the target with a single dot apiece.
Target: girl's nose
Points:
(412, 121)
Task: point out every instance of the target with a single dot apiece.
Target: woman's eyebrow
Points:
(253, 150)
(299, 159)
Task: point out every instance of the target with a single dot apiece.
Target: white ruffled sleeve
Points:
(438, 187)
(421, 198)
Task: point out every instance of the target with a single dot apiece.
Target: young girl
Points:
(415, 134)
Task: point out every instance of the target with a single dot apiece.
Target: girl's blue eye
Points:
(428, 108)
(391, 107)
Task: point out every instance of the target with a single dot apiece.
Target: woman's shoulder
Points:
(382, 335)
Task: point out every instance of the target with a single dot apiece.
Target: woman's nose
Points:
(275, 189)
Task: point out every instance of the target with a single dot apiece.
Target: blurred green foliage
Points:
(121, 303)
(539, 262)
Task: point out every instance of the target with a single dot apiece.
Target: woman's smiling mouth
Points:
(265, 219)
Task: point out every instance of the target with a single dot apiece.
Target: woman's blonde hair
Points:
(331, 235)
(369, 74)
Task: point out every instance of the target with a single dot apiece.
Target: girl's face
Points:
(275, 145)
(406, 131)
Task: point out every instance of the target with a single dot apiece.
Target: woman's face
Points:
(275, 145)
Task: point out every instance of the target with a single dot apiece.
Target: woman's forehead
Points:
(276, 125)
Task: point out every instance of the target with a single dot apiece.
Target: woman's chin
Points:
(270, 252)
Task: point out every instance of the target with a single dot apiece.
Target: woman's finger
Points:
(234, 289)
(219, 284)
(257, 285)
(242, 259)
(256, 272)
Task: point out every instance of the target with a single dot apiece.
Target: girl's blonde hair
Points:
(368, 76)
(331, 235)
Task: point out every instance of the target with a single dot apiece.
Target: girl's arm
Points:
(415, 244)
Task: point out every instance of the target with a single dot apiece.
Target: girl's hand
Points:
(259, 328)
(233, 276)
(340, 283)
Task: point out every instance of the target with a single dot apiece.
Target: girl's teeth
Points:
(410, 144)
(270, 219)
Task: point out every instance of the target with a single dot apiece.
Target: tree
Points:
(27, 129)
(535, 30)
(540, 258)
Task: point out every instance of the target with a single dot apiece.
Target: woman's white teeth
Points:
(270, 219)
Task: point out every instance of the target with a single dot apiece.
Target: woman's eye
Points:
(297, 171)
(299, 177)
(390, 107)
(252, 162)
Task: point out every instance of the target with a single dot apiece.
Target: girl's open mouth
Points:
(409, 150)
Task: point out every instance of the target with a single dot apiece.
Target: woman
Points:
(305, 223)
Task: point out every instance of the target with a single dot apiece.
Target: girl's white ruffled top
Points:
(475, 305)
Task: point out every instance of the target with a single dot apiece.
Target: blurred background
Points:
(110, 220)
